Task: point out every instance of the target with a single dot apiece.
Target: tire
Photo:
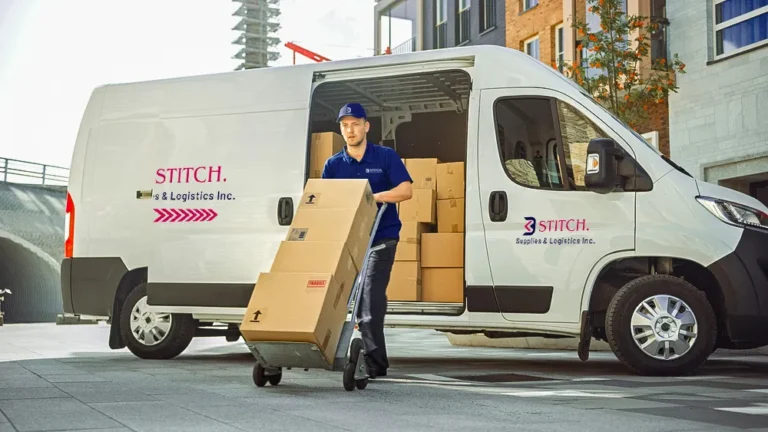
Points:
(697, 318)
(275, 379)
(175, 331)
(258, 375)
(348, 378)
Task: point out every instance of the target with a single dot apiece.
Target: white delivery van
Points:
(182, 189)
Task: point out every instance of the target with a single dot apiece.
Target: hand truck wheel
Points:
(258, 375)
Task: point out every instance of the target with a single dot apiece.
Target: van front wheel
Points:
(150, 335)
(661, 325)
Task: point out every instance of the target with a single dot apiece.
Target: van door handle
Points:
(285, 211)
(497, 206)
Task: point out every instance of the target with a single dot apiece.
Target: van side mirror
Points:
(603, 157)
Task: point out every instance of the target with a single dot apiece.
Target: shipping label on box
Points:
(334, 225)
(423, 172)
(409, 246)
(442, 250)
(442, 285)
(405, 283)
(450, 180)
(450, 215)
(322, 147)
(420, 208)
(297, 307)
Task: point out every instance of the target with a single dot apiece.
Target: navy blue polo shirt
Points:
(384, 170)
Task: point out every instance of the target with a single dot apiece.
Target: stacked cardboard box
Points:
(429, 265)
(303, 298)
(323, 146)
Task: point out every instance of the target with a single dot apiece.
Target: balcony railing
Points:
(18, 171)
(405, 47)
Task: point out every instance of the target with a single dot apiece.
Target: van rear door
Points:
(544, 231)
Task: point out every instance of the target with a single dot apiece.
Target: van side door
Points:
(544, 230)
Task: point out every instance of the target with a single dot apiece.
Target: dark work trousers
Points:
(373, 305)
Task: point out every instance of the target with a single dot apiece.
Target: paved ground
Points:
(65, 378)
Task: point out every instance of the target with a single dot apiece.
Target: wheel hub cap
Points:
(149, 328)
(664, 327)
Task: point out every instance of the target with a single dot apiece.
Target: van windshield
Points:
(620, 121)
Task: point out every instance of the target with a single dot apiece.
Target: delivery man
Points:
(390, 183)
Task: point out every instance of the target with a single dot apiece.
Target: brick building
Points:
(543, 29)
(717, 120)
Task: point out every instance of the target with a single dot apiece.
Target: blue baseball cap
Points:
(352, 109)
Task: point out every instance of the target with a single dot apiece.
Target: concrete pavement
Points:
(66, 378)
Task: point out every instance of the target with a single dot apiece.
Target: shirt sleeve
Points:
(397, 172)
(327, 172)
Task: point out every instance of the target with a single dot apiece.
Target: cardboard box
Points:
(409, 247)
(323, 146)
(334, 225)
(450, 216)
(442, 285)
(336, 211)
(405, 282)
(450, 180)
(297, 307)
(423, 172)
(442, 250)
(338, 194)
(316, 257)
(420, 208)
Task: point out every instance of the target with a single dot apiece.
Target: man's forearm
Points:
(400, 193)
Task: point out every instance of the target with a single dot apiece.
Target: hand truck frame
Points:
(272, 356)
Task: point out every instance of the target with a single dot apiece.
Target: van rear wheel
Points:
(661, 325)
(150, 335)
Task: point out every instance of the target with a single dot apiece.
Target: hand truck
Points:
(272, 356)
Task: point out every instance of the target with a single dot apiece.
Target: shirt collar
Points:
(367, 156)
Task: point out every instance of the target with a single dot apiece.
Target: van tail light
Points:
(69, 228)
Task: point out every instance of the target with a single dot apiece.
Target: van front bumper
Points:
(743, 278)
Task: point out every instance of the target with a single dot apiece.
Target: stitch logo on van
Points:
(530, 226)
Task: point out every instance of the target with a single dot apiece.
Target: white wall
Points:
(718, 126)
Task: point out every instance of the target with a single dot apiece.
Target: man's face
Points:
(354, 130)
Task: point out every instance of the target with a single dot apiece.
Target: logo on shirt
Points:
(374, 170)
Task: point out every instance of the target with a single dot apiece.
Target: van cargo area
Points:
(422, 116)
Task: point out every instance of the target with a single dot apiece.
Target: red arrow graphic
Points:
(184, 215)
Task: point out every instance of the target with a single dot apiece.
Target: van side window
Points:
(542, 141)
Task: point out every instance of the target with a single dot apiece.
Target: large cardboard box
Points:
(450, 180)
(323, 146)
(409, 247)
(316, 257)
(420, 208)
(405, 282)
(450, 215)
(442, 285)
(442, 250)
(336, 211)
(423, 172)
(297, 307)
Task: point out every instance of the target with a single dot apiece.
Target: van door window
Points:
(536, 135)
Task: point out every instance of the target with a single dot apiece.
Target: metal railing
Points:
(25, 172)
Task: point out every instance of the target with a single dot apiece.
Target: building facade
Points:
(717, 120)
(413, 25)
(544, 29)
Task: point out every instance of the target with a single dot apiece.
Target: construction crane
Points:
(305, 52)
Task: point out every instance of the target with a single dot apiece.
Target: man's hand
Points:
(403, 192)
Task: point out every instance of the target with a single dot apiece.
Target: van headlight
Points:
(735, 214)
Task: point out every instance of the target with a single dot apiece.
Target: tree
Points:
(619, 48)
